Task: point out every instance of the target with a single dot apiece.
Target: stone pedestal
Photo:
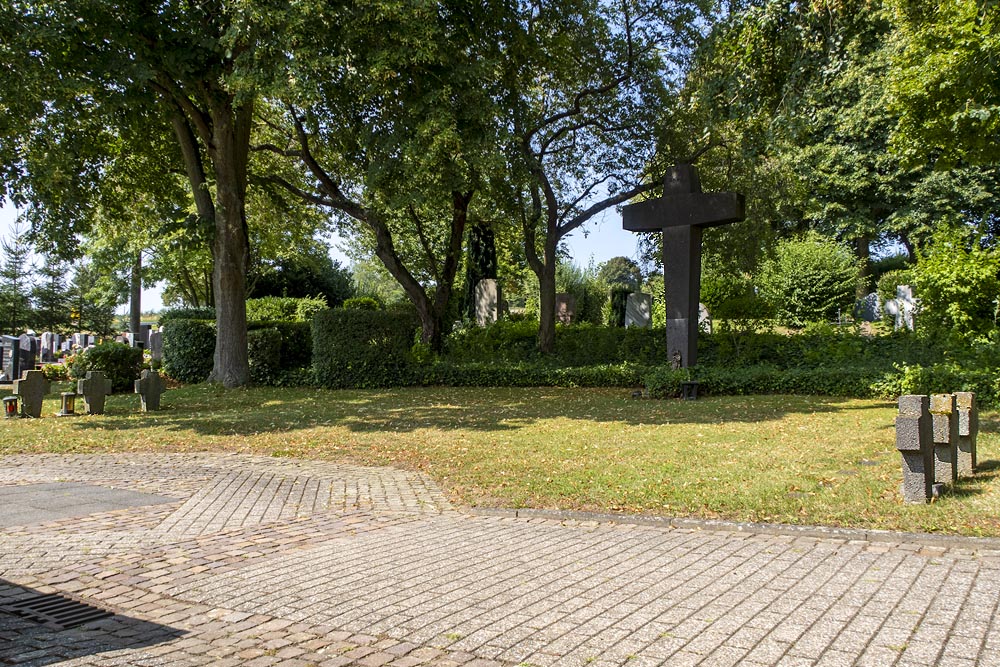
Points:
(914, 440)
(944, 424)
(968, 431)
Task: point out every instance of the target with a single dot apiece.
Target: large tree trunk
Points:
(231, 246)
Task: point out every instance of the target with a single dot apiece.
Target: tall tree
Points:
(16, 280)
(51, 296)
(391, 119)
(584, 82)
(108, 68)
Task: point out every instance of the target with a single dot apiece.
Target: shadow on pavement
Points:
(27, 642)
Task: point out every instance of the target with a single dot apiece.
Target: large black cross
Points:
(681, 214)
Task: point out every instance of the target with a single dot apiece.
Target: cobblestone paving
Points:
(281, 562)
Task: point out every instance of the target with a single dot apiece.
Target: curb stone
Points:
(829, 532)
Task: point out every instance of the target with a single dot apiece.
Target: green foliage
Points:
(620, 271)
(284, 308)
(296, 342)
(121, 363)
(264, 353)
(188, 346)
(587, 289)
(363, 348)
(363, 303)
(526, 374)
(186, 314)
(619, 303)
(810, 280)
(308, 272)
(56, 372)
(958, 284)
(943, 80)
(859, 381)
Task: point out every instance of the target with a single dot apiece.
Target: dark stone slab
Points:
(39, 503)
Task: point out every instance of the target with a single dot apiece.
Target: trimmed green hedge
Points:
(264, 347)
(284, 309)
(121, 363)
(363, 348)
(207, 313)
(188, 349)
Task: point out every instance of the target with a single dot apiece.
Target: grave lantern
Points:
(10, 407)
(68, 404)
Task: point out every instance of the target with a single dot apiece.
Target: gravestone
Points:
(681, 215)
(28, 352)
(902, 308)
(565, 308)
(149, 387)
(11, 358)
(50, 341)
(156, 345)
(638, 310)
(32, 389)
(704, 319)
(968, 431)
(914, 440)
(487, 299)
(869, 309)
(134, 340)
(95, 389)
(944, 424)
(144, 330)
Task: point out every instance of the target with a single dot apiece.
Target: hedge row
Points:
(275, 350)
(363, 348)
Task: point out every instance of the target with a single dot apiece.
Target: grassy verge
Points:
(788, 459)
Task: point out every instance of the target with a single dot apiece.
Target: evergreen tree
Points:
(51, 297)
(15, 281)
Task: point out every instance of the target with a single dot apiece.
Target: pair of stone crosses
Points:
(936, 436)
(94, 388)
(681, 215)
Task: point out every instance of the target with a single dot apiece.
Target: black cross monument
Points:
(681, 213)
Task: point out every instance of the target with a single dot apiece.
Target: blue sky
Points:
(605, 239)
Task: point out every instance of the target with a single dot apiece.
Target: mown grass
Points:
(788, 459)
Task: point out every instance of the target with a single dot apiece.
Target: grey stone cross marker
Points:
(94, 388)
(149, 387)
(681, 214)
(944, 425)
(32, 388)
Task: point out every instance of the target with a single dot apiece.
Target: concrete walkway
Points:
(235, 560)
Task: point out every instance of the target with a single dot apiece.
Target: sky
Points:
(605, 239)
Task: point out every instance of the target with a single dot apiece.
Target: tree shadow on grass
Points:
(207, 411)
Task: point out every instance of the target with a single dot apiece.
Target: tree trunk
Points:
(862, 249)
(547, 298)
(230, 248)
(135, 295)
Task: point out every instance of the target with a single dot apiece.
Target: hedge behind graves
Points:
(284, 308)
(363, 348)
(122, 364)
(188, 349)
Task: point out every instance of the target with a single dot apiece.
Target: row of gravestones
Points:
(94, 388)
(638, 307)
(24, 352)
(936, 436)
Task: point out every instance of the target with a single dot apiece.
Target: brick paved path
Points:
(260, 561)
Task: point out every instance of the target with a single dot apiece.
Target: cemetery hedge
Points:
(188, 348)
(121, 363)
(364, 348)
(284, 309)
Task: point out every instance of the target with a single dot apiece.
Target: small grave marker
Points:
(565, 308)
(150, 387)
(94, 388)
(32, 389)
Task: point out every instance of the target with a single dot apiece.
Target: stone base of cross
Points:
(681, 214)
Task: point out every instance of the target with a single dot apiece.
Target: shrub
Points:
(526, 374)
(56, 372)
(121, 363)
(188, 349)
(363, 303)
(264, 348)
(810, 280)
(186, 314)
(363, 348)
(958, 284)
(296, 342)
(619, 304)
(664, 382)
(284, 309)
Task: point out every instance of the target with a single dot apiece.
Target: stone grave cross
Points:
(681, 213)
(32, 389)
(94, 388)
(149, 387)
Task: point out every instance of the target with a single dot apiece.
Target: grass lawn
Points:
(787, 459)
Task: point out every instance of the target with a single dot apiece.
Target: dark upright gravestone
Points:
(11, 358)
(28, 352)
(681, 214)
